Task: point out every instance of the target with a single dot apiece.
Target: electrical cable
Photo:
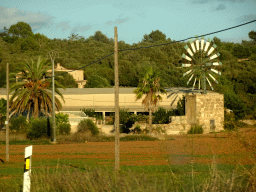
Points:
(154, 46)
(189, 37)
(82, 66)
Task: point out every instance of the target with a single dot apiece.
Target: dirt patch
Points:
(224, 147)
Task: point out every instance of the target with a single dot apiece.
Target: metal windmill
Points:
(202, 61)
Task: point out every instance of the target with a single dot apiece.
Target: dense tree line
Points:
(238, 82)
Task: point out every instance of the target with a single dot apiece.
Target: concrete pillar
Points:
(104, 116)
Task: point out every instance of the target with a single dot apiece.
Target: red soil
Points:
(226, 148)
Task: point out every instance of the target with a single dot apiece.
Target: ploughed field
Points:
(223, 148)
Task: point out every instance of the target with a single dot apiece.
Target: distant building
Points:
(206, 110)
(78, 75)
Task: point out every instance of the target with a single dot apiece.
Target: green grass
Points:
(27, 142)
(77, 175)
(94, 174)
(79, 138)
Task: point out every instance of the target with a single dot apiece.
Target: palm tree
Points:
(34, 93)
(150, 87)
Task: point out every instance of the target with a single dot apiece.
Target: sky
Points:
(177, 19)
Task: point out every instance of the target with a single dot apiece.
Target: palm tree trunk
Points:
(150, 120)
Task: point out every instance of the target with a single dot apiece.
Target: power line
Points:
(156, 46)
(83, 66)
(189, 37)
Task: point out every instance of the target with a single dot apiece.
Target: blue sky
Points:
(178, 19)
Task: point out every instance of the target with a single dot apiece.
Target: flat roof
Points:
(122, 90)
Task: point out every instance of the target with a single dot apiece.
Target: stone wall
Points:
(206, 110)
(202, 109)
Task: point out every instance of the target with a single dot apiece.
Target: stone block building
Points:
(206, 110)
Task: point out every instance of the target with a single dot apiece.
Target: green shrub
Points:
(18, 124)
(126, 118)
(62, 124)
(181, 107)
(233, 102)
(162, 116)
(61, 118)
(38, 128)
(137, 129)
(87, 125)
(229, 121)
(138, 138)
(96, 81)
(196, 129)
(91, 113)
(63, 129)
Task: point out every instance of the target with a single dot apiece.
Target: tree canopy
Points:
(32, 93)
(21, 29)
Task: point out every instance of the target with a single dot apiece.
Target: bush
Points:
(61, 118)
(62, 124)
(181, 107)
(38, 128)
(63, 129)
(138, 138)
(229, 121)
(127, 119)
(96, 81)
(162, 116)
(91, 113)
(137, 129)
(196, 129)
(87, 125)
(18, 124)
(233, 102)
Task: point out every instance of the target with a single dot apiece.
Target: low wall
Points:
(177, 125)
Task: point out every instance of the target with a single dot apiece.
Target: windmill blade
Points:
(213, 78)
(197, 45)
(202, 43)
(189, 51)
(193, 47)
(209, 83)
(190, 79)
(184, 74)
(212, 49)
(206, 46)
(186, 65)
(194, 84)
(186, 57)
(214, 56)
(216, 63)
(215, 71)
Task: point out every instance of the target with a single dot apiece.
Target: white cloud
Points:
(37, 20)
(80, 28)
(220, 7)
(117, 21)
(11, 16)
(63, 25)
(200, 1)
(246, 18)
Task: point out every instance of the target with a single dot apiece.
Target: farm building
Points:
(207, 110)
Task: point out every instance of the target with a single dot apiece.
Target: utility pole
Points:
(117, 140)
(52, 55)
(7, 114)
